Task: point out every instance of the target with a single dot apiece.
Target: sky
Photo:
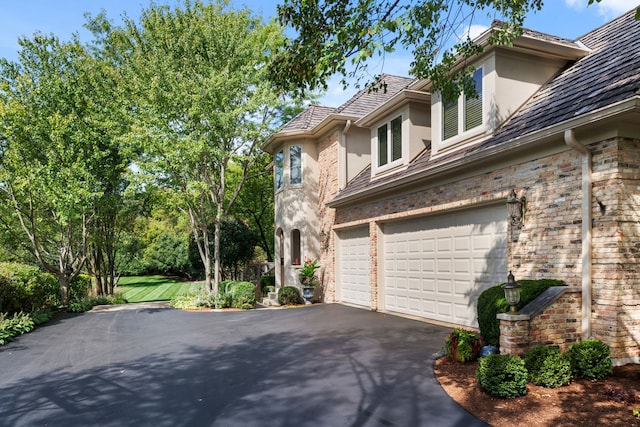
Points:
(565, 18)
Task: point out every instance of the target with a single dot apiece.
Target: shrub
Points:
(87, 303)
(194, 300)
(243, 295)
(27, 288)
(462, 345)
(266, 281)
(12, 326)
(502, 375)
(492, 301)
(289, 295)
(548, 366)
(590, 359)
(79, 287)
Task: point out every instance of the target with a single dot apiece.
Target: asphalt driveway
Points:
(325, 365)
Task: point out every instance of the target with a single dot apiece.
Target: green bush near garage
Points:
(289, 295)
(491, 302)
(502, 375)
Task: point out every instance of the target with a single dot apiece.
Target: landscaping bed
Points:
(582, 402)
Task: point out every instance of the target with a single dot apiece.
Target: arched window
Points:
(295, 248)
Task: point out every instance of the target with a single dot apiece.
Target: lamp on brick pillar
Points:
(515, 208)
(512, 292)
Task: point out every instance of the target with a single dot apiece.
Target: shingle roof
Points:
(609, 74)
(367, 100)
(308, 119)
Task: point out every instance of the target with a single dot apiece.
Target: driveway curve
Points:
(324, 365)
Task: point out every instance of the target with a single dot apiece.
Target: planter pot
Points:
(307, 293)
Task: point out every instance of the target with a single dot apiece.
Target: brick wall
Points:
(328, 189)
(556, 324)
(549, 243)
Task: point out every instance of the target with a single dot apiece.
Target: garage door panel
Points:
(453, 257)
(354, 267)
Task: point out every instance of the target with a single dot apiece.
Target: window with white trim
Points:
(390, 141)
(470, 106)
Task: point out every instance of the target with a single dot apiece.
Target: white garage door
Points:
(354, 267)
(437, 266)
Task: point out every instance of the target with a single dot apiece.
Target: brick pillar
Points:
(515, 336)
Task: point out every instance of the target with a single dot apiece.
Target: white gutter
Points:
(572, 142)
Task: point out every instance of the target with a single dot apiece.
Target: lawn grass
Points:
(155, 288)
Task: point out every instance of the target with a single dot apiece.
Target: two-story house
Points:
(402, 197)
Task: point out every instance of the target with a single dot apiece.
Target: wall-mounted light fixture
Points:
(515, 208)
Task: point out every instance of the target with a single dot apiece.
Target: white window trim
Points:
(462, 136)
(390, 165)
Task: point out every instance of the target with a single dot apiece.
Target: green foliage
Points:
(492, 301)
(463, 345)
(243, 295)
(79, 287)
(339, 37)
(502, 375)
(548, 366)
(231, 294)
(636, 412)
(26, 288)
(237, 246)
(42, 316)
(307, 273)
(203, 101)
(194, 300)
(268, 280)
(590, 359)
(12, 326)
(87, 303)
(289, 295)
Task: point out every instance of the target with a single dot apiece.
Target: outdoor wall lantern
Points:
(515, 208)
(512, 292)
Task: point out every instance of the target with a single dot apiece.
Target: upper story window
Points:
(295, 164)
(390, 141)
(470, 106)
(279, 169)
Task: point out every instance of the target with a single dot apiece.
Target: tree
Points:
(202, 102)
(57, 136)
(255, 202)
(339, 36)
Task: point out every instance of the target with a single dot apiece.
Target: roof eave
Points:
(395, 102)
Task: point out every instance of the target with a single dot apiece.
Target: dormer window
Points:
(470, 106)
(390, 142)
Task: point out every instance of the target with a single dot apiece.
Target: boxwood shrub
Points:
(548, 366)
(590, 359)
(288, 295)
(492, 301)
(502, 375)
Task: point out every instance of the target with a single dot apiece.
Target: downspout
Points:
(572, 142)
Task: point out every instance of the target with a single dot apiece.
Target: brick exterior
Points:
(328, 188)
(559, 324)
(549, 244)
